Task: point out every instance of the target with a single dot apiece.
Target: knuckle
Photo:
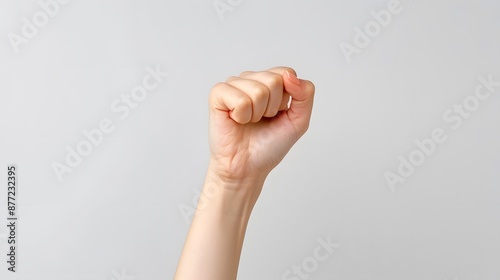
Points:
(291, 70)
(243, 102)
(245, 73)
(285, 68)
(232, 78)
(274, 80)
(259, 91)
(215, 93)
(217, 87)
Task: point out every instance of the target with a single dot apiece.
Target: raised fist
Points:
(255, 119)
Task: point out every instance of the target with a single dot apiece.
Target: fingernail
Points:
(292, 78)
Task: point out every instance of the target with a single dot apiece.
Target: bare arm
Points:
(251, 129)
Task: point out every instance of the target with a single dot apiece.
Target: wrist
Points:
(233, 178)
(233, 197)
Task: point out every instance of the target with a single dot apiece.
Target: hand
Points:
(251, 130)
(251, 125)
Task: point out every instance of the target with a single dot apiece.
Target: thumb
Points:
(302, 93)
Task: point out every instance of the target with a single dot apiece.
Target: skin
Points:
(251, 129)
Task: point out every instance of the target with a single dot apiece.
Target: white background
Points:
(119, 210)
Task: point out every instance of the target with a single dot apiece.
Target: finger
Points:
(302, 93)
(284, 101)
(244, 73)
(258, 92)
(274, 83)
(280, 70)
(226, 100)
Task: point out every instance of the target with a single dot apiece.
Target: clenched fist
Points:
(254, 121)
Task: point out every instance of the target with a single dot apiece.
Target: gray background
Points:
(120, 209)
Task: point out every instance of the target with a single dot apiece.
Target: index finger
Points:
(280, 70)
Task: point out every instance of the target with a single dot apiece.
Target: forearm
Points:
(254, 121)
(215, 239)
